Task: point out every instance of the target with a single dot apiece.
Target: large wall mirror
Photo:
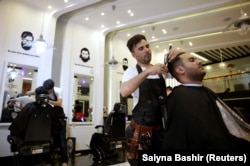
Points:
(18, 79)
(82, 98)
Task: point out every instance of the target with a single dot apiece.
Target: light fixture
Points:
(12, 74)
(112, 62)
(222, 64)
(242, 24)
(40, 44)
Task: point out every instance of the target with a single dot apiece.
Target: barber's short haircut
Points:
(134, 40)
(10, 100)
(172, 65)
(41, 90)
(48, 84)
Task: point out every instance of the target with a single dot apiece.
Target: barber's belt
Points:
(142, 139)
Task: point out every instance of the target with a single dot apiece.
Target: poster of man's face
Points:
(84, 55)
(27, 40)
(125, 64)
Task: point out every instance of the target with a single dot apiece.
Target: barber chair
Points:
(108, 146)
(36, 143)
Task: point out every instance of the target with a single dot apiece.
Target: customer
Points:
(147, 86)
(59, 123)
(10, 112)
(197, 118)
(23, 100)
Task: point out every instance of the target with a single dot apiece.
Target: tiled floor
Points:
(80, 159)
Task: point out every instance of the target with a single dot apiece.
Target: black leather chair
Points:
(107, 145)
(30, 137)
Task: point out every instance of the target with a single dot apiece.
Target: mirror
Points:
(18, 79)
(82, 98)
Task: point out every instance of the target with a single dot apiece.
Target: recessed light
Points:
(164, 31)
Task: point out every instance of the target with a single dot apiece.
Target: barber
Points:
(146, 84)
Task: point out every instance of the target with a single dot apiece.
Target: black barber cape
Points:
(31, 111)
(195, 122)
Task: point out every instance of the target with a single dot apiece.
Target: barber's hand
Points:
(158, 69)
(172, 54)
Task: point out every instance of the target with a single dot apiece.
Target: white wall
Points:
(16, 18)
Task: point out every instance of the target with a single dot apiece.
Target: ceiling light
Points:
(164, 31)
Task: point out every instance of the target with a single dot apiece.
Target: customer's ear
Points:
(180, 70)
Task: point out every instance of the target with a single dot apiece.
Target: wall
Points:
(13, 24)
(75, 37)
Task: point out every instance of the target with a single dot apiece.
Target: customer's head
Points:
(185, 67)
(139, 48)
(42, 97)
(11, 103)
(49, 85)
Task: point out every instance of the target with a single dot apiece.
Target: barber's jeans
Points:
(59, 136)
(63, 145)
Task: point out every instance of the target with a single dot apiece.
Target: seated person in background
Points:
(58, 123)
(19, 125)
(23, 100)
(78, 112)
(10, 112)
(197, 118)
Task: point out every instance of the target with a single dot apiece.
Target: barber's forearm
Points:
(55, 103)
(131, 85)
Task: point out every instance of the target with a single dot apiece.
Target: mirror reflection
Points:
(82, 99)
(18, 80)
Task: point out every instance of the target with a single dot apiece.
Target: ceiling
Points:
(198, 21)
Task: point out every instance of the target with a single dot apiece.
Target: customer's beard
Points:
(124, 67)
